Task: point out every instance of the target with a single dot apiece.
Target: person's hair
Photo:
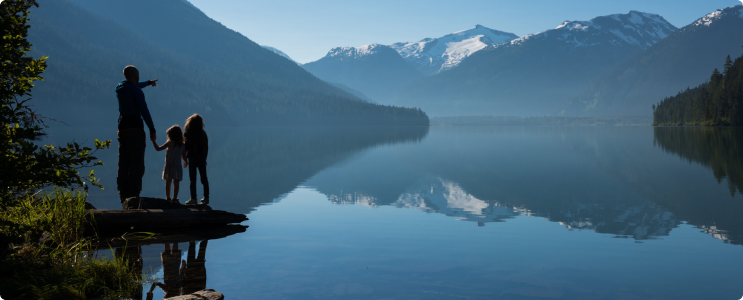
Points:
(194, 131)
(129, 71)
(175, 135)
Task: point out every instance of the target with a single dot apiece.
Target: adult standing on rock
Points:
(131, 136)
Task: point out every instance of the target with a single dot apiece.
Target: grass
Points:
(45, 253)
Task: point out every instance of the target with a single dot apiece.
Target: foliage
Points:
(42, 237)
(24, 165)
(55, 266)
(718, 102)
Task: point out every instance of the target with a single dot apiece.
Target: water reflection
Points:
(180, 276)
(622, 182)
(248, 167)
(719, 149)
(607, 180)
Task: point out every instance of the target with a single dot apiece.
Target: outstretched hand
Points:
(153, 136)
(153, 82)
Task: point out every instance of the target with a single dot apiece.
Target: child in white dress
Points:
(172, 172)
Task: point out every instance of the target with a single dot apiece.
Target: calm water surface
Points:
(466, 213)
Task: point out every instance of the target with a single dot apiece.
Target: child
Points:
(172, 172)
(197, 148)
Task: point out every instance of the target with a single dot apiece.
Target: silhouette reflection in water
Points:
(194, 275)
(181, 277)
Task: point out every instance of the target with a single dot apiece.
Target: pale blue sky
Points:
(307, 29)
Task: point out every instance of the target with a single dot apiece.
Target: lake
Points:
(464, 212)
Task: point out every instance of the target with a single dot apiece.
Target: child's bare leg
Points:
(175, 246)
(167, 247)
(167, 188)
(176, 187)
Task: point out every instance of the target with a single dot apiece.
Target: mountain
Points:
(684, 59)
(352, 91)
(431, 56)
(375, 70)
(203, 67)
(534, 74)
(279, 52)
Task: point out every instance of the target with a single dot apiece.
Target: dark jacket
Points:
(196, 147)
(132, 107)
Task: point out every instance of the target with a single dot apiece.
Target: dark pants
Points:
(200, 164)
(131, 163)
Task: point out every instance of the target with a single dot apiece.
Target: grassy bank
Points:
(43, 253)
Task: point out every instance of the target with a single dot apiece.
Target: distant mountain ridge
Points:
(203, 67)
(279, 52)
(432, 56)
(684, 59)
(534, 74)
(375, 70)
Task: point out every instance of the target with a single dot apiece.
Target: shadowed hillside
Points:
(203, 67)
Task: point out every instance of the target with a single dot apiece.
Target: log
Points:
(139, 220)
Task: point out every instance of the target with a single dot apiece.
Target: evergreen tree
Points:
(715, 103)
(24, 165)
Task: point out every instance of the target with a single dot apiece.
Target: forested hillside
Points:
(717, 102)
(684, 59)
(203, 68)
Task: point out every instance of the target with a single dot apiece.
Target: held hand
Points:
(154, 82)
(153, 136)
(185, 164)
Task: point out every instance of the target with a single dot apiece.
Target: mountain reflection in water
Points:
(371, 213)
(612, 180)
(607, 180)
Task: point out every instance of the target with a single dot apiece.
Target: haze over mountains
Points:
(616, 65)
(203, 68)
(279, 52)
(684, 59)
(375, 70)
(379, 71)
(609, 66)
(533, 75)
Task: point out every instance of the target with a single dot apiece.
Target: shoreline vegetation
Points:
(53, 258)
(45, 241)
(718, 102)
(540, 121)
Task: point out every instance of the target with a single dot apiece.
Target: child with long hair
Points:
(172, 172)
(197, 148)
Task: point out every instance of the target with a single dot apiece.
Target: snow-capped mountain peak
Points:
(357, 52)
(635, 28)
(719, 14)
(431, 56)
